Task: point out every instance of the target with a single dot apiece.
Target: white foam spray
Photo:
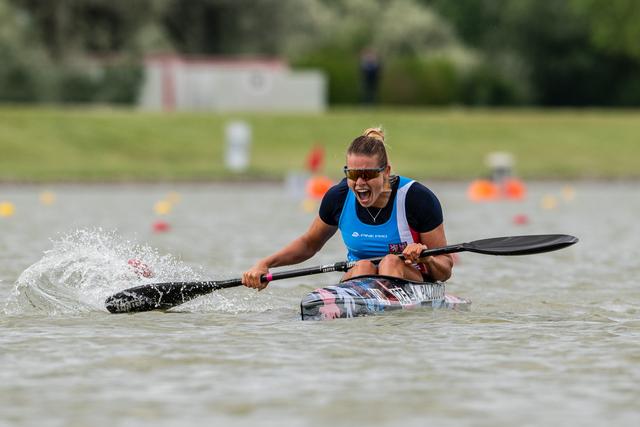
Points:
(86, 266)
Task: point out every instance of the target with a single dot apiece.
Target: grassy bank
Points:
(115, 145)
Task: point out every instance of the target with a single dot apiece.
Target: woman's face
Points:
(367, 191)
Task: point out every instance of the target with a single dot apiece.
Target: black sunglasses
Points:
(366, 174)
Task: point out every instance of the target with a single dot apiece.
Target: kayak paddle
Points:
(163, 296)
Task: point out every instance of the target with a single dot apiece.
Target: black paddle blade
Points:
(158, 296)
(520, 245)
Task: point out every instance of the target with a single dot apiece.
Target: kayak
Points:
(369, 295)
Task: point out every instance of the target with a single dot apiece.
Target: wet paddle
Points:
(163, 296)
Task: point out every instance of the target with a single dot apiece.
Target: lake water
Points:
(550, 339)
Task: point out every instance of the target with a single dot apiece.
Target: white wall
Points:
(173, 83)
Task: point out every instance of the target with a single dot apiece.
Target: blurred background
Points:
(430, 52)
(114, 90)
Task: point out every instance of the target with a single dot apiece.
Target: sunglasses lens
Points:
(366, 174)
(371, 174)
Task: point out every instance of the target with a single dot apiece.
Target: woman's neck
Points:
(382, 199)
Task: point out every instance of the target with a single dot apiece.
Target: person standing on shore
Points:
(370, 70)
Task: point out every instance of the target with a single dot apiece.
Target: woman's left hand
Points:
(412, 252)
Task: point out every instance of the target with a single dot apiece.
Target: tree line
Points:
(432, 52)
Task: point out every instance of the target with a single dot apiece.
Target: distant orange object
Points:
(141, 269)
(161, 226)
(317, 186)
(513, 188)
(482, 190)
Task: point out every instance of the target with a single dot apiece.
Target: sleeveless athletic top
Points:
(412, 209)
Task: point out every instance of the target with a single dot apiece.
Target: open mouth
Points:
(363, 195)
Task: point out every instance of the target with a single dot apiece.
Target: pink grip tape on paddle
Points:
(269, 277)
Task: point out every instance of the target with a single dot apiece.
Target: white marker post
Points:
(238, 146)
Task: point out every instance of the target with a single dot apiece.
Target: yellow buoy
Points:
(174, 197)
(309, 205)
(549, 202)
(568, 193)
(163, 207)
(7, 209)
(47, 198)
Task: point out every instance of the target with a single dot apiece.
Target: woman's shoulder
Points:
(421, 194)
(423, 208)
(415, 187)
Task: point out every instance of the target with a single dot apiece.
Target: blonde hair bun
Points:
(376, 133)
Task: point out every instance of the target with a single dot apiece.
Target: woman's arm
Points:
(439, 266)
(424, 213)
(299, 250)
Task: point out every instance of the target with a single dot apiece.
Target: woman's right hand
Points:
(251, 277)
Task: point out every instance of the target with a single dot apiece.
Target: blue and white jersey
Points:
(377, 240)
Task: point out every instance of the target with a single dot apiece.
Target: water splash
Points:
(86, 266)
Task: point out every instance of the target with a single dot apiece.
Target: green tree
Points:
(21, 58)
(69, 28)
(561, 52)
(267, 27)
(613, 25)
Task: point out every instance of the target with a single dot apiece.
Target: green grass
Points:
(45, 144)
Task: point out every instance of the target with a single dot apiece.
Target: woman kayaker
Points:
(378, 215)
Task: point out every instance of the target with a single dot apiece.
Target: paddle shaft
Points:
(308, 271)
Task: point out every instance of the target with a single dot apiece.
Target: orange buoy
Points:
(317, 186)
(161, 226)
(514, 189)
(482, 190)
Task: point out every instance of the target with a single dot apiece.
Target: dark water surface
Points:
(551, 339)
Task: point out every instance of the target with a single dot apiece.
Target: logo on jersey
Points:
(397, 248)
(355, 234)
